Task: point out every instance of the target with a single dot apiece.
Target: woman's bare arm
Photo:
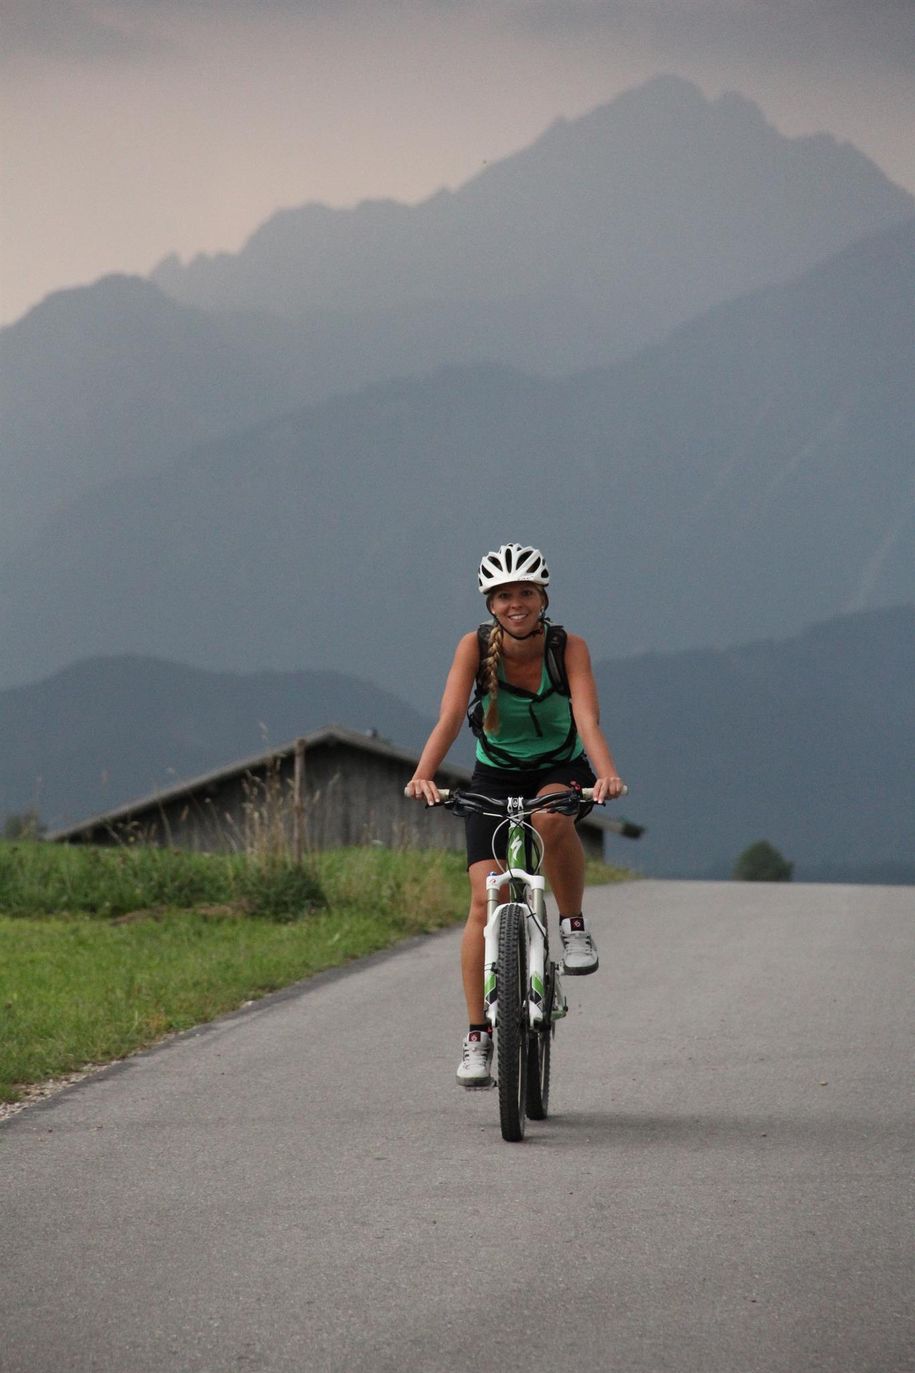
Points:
(451, 715)
(586, 709)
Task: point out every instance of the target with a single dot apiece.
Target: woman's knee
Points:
(477, 913)
(553, 827)
(476, 916)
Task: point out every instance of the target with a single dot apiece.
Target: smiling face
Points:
(517, 606)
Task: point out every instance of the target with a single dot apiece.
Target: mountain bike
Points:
(522, 991)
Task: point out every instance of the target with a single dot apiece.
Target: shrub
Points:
(761, 862)
(277, 888)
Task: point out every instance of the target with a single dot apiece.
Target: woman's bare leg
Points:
(564, 862)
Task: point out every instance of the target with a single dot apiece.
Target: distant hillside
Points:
(116, 379)
(808, 742)
(107, 730)
(752, 474)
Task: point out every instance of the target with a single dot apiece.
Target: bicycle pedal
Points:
(480, 1086)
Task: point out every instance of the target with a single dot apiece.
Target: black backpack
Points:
(554, 655)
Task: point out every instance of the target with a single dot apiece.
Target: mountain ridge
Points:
(659, 203)
(547, 262)
(668, 104)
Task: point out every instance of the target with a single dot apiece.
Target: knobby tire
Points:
(513, 1026)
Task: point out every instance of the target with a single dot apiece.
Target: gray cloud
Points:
(776, 30)
(783, 30)
(73, 30)
(83, 31)
(253, 9)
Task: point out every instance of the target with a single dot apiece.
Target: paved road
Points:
(723, 1189)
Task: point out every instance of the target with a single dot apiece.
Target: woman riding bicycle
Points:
(532, 738)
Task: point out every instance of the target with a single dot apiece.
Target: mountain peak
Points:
(113, 293)
(666, 89)
(737, 106)
(662, 101)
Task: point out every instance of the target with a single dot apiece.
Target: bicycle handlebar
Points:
(586, 793)
(474, 800)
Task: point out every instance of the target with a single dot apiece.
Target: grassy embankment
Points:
(104, 951)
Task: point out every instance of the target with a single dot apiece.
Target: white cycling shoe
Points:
(579, 951)
(475, 1068)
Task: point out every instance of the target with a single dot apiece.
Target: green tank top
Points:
(530, 724)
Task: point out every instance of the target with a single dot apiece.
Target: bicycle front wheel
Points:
(513, 1027)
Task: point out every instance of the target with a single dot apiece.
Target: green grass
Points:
(105, 951)
(50, 879)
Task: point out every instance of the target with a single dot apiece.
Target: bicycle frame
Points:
(545, 998)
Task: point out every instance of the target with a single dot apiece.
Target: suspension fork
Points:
(536, 948)
(494, 881)
(521, 855)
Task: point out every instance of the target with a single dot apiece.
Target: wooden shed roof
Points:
(330, 734)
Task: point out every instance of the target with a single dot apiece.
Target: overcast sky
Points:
(134, 128)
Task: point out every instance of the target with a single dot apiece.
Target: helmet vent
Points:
(512, 562)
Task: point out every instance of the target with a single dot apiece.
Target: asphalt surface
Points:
(724, 1184)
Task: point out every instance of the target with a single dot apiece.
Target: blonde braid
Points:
(491, 679)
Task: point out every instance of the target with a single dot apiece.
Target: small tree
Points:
(761, 862)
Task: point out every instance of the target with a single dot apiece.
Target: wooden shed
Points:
(333, 788)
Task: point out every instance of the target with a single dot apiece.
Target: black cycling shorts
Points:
(503, 782)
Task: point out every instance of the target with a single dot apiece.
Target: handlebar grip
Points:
(587, 793)
(444, 793)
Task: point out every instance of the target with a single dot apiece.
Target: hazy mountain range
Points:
(751, 474)
(599, 238)
(604, 234)
(808, 742)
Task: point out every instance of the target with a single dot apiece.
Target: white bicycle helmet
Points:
(513, 562)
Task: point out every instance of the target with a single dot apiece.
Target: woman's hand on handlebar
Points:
(608, 789)
(423, 789)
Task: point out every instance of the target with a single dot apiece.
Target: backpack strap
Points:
(483, 649)
(554, 661)
(554, 653)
